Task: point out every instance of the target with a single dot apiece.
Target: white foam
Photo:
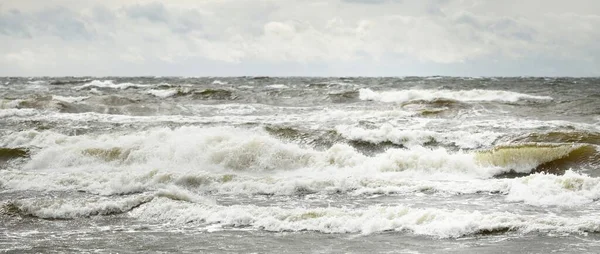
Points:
(373, 219)
(109, 84)
(240, 162)
(51, 209)
(13, 112)
(163, 93)
(277, 86)
(249, 161)
(236, 149)
(412, 137)
(219, 82)
(570, 189)
(120, 164)
(32, 138)
(70, 99)
(37, 82)
(226, 109)
(10, 104)
(239, 149)
(458, 95)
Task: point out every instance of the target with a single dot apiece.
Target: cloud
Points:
(56, 21)
(12, 23)
(251, 37)
(154, 12)
(371, 1)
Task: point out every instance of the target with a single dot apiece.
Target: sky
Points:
(300, 38)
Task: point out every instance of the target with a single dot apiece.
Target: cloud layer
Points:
(287, 37)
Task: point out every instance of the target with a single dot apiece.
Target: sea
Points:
(299, 165)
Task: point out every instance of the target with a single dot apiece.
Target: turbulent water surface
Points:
(318, 165)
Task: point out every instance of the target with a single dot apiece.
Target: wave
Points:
(109, 84)
(50, 209)
(436, 102)
(13, 112)
(7, 154)
(536, 157)
(277, 86)
(214, 94)
(580, 137)
(374, 219)
(446, 96)
(69, 81)
(540, 189)
(10, 103)
(179, 208)
(343, 96)
(37, 82)
(417, 137)
(247, 162)
(205, 94)
(44, 102)
(253, 161)
(219, 82)
(70, 99)
(35, 102)
(569, 190)
(256, 150)
(163, 93)
(112, 100)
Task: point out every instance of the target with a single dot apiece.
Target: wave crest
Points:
(536, 157)
(446, 96)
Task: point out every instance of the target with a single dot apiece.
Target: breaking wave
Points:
(256, 150)
(374, 219)
(417, 137)
(536, 157)
(179, 209)
(109, 84)
(51, 209)
(446, 96)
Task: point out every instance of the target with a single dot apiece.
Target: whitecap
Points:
(458, 95)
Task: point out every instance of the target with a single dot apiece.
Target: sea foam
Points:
(458, 95)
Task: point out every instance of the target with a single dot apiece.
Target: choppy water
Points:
(320, 165)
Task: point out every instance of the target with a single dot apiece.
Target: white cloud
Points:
(337, 37)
